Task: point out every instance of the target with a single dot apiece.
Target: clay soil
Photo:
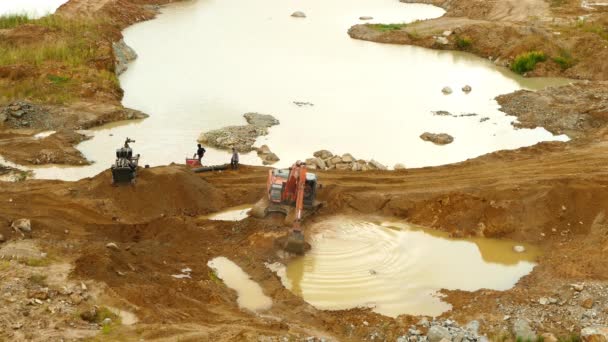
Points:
(159, 228)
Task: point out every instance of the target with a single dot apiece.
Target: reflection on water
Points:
(232, 214)
(250, 295)
(33, 8)
(202, 72)
(397, 268)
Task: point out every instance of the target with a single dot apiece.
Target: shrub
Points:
(463, 43)
(564, 60)
(387, 27)
(527, 61)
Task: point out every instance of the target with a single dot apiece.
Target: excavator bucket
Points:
(295, 243)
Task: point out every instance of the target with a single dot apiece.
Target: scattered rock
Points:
(267, 156)
(446, 90)
(22, 225)
(112, 245)
(521, 328)
(578, 287)
(106, 321)
(365, 17)
(519, 249)
(298, 14)
(399, 166)
(347, 158)
(467, 88)
(595, 333)
(543, 300)
(437, 333)
(447, 33)
(587, 303)
(439, 139)
(302, 104)
(442, 40)
(484, 119)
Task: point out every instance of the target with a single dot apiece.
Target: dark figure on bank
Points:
(234, 161)
(200, 152)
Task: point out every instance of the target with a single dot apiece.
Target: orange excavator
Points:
(291, 192)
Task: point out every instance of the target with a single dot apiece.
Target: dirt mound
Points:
(161, 191)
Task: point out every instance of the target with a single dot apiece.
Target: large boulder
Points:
(22, 225)
(323, 154)
(446, 90)
(343, 166)
(317, 162)
(437, 333)
(596, 333)
(377, 165)
(298, 14)
(522, 329)
(438, 139)
(335, 160)
(347, 158)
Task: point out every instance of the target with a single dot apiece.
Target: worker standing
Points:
(234, 161)
(200, 152)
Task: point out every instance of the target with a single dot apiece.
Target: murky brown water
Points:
(397, 268)
(197, 71)
(250, 294)
(231, 214)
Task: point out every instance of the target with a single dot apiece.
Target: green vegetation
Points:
(527, 61)
(4, 265)
(557, 3)
(592, 27)
(387, 27)
(213, 276)
(37, 262)
(564, 60)
(463, 43)
(38, 279)
(13, 20)
(74, 46)
(571, 338)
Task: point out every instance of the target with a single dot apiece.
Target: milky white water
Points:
(231, 214)
(396, 268)
(202, 64)
(33, 8)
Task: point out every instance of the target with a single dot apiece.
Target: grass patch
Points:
(591, 27)
(37, 262)
(571, 338)
(564, 60)
(13, 20)
(557, 3)
(527, 61)
(213, 276)
(464, 43)
(387, 27)
(4, 265)
(76, 46)
(38, 279)
(57, 79)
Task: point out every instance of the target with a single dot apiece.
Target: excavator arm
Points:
(295, 186)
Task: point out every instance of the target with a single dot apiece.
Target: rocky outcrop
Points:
(123, 55)
(240, 137)
(298, 14)
(595, 333)
(439, 139)
(325, 160)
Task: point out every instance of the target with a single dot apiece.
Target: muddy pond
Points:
(204, 63)
(396, 268)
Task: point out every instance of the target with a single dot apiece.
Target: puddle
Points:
(311, 76)
(232, 214)
(43, 135)
(250, 294)
(396, 268)
(33, 8)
